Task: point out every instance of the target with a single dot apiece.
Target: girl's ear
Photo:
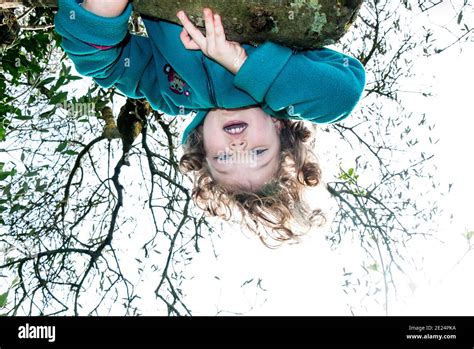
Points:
(278, 124)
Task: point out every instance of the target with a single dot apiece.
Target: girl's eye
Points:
(226, 157)
(260, 151)
(222, 157)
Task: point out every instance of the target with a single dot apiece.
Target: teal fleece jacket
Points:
(322, 86)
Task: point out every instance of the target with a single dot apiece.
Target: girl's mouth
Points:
(235, 127)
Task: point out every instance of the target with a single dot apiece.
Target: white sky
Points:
(443, 286)
(307, 279)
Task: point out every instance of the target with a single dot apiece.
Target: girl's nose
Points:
(238, 144)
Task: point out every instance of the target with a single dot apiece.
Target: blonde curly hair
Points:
(276, 212)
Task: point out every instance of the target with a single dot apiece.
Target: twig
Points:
(73, 172)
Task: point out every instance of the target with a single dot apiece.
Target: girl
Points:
(244, 144)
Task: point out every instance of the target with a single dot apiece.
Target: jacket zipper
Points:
(210, 86)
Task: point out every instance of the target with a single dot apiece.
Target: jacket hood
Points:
(197, 120)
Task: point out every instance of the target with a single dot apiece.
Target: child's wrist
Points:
(238, 63)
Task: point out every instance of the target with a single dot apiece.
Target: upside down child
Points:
(247, 144)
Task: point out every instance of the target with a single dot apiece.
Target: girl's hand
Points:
(230, 54)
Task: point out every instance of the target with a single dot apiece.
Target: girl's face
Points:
(242, 146)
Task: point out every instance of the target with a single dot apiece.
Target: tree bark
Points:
(301, 24)
(9, 27)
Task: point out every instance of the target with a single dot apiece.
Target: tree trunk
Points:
(302, 24)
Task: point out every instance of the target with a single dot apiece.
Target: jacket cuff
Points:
(261, 68)
(90, 28)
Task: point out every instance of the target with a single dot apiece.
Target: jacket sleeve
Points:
(103, 49)
(322, 86)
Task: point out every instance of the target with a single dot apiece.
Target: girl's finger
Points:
(195, 34)
(187, 41)
(209, 22)
(220, 34)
